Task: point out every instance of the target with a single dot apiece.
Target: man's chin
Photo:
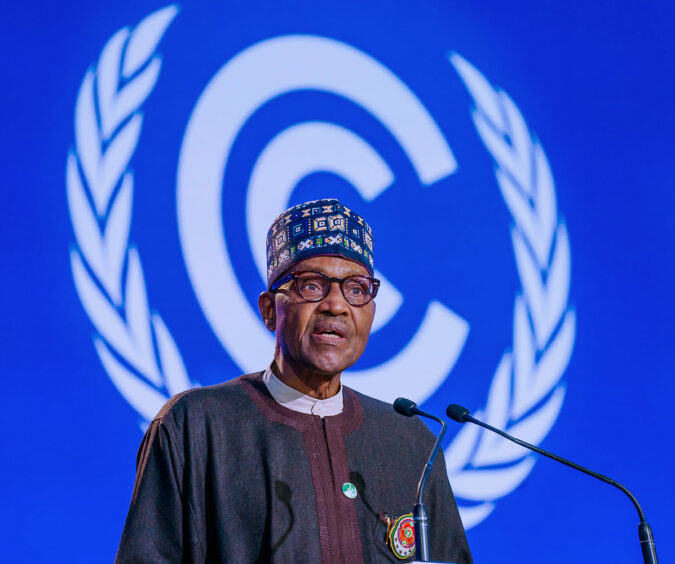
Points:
(329, 368)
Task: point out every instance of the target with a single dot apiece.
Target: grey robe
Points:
(226, 474)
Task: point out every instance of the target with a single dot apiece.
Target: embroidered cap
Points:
(317, 228)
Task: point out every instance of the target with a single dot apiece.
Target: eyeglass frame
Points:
(293, 276)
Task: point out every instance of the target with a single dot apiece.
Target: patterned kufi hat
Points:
(318, 228)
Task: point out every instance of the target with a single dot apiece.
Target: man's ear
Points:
(268, 310)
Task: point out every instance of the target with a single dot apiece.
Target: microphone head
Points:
(457, 413)
(405, 407)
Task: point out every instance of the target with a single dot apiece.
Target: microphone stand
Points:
(420, 517)
(461, 415)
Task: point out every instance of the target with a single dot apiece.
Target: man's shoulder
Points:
(382, 415)
(375, 407)
(230, 395)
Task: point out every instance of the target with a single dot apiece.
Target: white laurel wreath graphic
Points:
(139, 354)
(133, 344)
(525, 395)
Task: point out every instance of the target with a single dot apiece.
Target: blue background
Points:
(594, 82)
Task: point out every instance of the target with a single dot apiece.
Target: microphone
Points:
(462, 415)
(409, 408)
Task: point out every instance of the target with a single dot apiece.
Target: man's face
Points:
(323, 337)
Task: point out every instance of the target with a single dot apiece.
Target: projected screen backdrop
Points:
(514, 162)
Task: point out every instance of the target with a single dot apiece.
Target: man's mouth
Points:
(330, 334)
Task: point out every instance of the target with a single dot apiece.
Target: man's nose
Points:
(334, 302)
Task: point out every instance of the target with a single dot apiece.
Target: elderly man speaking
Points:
(287, 465)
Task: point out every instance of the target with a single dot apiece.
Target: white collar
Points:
(297, 401)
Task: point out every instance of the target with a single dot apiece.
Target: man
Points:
(288, 465)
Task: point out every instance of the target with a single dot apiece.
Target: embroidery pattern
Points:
(316, 228)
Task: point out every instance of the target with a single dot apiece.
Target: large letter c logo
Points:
(255, 76)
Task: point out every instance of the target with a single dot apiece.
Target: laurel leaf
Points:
(484, 95)
(458, 454)
(533, 287)
(116, 158)
(546, 304)
(555, 359)
(502, 451)
(138, 319)
(535, 427)
(532, 429)
(116, 237)
(520, 165)
(86, 229)
(497, 413)
(557, 282)
(130, 98)
(173, 369)
(497, 410)
(107, 80)
(545, 204)
(525, 217)
(145, 38)
(471, 516)
(87, 141)
(494, 140)
(523, 353)
(102, 314)
(142, 397)
(487, 485)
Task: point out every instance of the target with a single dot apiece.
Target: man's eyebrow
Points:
(329, 276)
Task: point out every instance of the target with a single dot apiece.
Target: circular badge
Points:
(349, 490)
(402, 536)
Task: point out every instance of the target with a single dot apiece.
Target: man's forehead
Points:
(332, 265)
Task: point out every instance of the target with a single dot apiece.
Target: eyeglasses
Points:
(314, 286)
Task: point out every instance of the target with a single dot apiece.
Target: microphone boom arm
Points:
(461, 415)
(432, 457)
(564, 461)
(408, 408)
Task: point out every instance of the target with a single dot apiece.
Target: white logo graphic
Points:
(525, 395)
(543, 326)
(234, 93)
(117, 305)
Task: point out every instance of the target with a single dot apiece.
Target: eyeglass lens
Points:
(313, 287)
